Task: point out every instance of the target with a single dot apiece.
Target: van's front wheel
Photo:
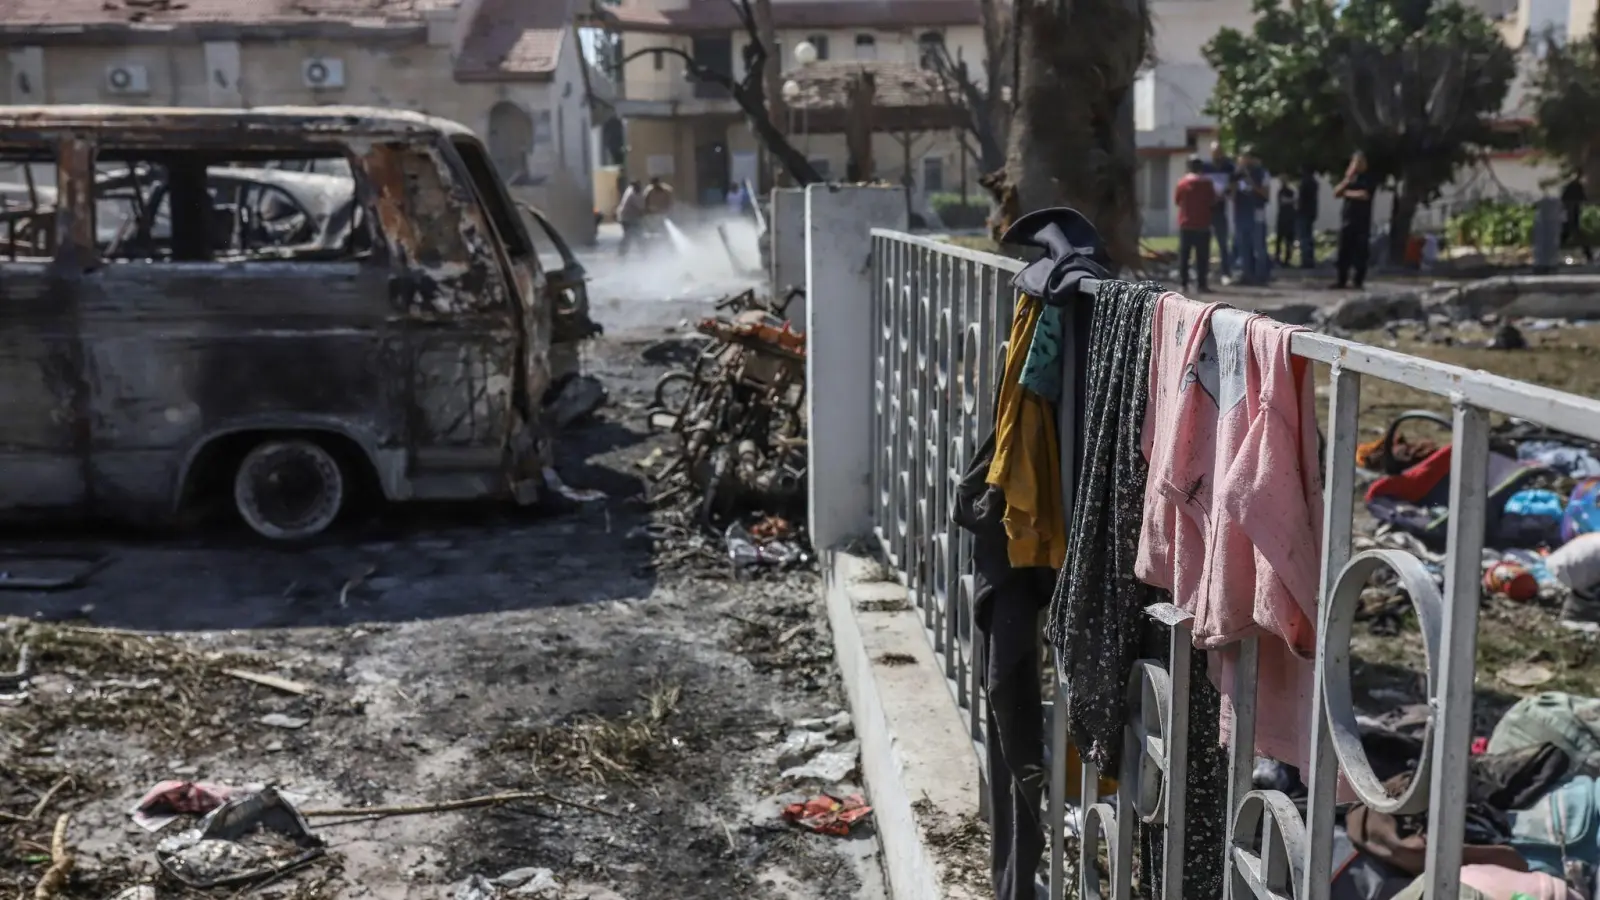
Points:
(289, 489)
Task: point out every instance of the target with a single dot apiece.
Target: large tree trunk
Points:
(999, 64)
(1401, 214)
(1071, 141)
(860, 123)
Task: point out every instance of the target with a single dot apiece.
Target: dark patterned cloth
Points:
(1097, 624)
(1097, 614)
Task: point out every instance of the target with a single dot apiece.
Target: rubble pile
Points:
(738, 467)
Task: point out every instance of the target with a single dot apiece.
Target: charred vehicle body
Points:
(279, 309)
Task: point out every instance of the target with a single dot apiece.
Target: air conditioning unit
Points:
(322, 74)
(127, 80)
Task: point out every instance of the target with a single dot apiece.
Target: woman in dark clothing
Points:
(1283, 247)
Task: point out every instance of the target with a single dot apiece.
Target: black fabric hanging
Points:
(1097, 624)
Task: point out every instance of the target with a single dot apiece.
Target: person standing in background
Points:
(1196, 199)
(1573, 197)
(1355, 222)
(630, 212)
(1252, 191)
(1221, 171)
(1305, 217)
(1283, 238)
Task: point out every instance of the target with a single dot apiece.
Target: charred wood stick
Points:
(55, 877)
(385, 812)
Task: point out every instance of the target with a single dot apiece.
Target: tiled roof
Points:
(719, 15)
(825, 85)
(515, 38)
(16, 14)
(507, 38)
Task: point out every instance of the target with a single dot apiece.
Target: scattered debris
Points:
(597, 749)
(61, 862)
(740, 468)
(354, 582)
(167, 801)
(1526, 675)
(826, 814)
(828, 767)
(578, 397)
(248, 837)
(279, 720)
(1507, 337)
(271, 681)
(25, 571)
(370, 813)
(897, 659)
(571, 494)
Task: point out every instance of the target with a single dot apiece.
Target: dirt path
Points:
(482, 652)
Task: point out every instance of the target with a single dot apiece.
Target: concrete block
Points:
(839, 347)
(920, 765)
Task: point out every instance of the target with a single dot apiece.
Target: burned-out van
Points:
(273, 308)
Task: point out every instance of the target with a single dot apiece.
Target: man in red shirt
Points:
(1196, 197)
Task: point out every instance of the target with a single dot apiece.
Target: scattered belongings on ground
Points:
(1533, 805)
(1542, 528)
(826, 814)
(739, 470)
(249, 836)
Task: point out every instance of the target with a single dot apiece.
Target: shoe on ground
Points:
(1581, 606)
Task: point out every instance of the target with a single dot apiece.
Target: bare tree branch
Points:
(749, 92)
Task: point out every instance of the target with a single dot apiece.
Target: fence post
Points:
(839, 352)
(787, 224)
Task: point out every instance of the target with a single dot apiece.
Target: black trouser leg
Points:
(1346, 253)
(1008, 604)
(1361, 251)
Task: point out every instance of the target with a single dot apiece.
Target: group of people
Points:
(642, 209)
(1226, 199)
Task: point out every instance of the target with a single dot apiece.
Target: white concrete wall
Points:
(839, 349)
(787, 222)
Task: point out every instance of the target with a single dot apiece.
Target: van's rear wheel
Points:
(289, 489)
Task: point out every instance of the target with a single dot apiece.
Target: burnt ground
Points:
(477, 651)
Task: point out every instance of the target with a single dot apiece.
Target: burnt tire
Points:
(289, 489)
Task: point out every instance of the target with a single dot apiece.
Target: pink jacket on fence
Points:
(1233, 503)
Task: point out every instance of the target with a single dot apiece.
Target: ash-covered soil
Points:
(475, 652)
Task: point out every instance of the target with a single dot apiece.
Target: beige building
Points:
(693, 134)
(510, 69)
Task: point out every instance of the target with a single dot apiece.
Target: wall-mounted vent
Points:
(127, 80)
(323, 74)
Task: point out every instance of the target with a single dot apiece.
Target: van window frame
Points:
(494, 201)
(216, 153)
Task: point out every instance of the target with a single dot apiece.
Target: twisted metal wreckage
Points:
(738, 414)
(184, 345)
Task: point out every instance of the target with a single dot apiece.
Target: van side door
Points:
(452, 305)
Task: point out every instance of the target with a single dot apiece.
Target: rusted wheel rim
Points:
(288, 490)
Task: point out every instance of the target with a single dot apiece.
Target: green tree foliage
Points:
(1416, 84)
(1566, 99)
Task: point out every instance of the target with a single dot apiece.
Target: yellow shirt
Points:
(1027, 457)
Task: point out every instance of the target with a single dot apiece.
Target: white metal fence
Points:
(941, 314)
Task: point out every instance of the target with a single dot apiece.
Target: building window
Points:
(932, 174)
(866, 47)
(929, 46)
(660, 60)
(819, 41)
(822, 167)
(511, 136)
